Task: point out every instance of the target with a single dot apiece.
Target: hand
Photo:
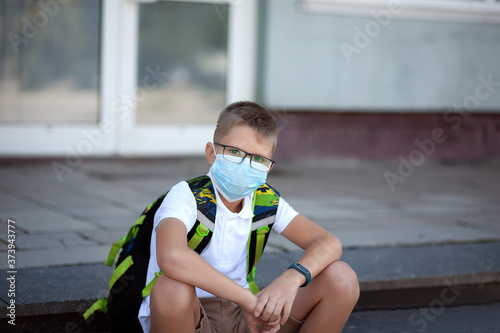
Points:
(247, 311)
(252, 323)
(276, 300)
(271, 327)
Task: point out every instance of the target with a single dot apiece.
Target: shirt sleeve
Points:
(180, 204)
(284, 216)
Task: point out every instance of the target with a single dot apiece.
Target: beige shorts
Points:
(222, 316)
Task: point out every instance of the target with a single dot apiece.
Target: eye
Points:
(234, 151)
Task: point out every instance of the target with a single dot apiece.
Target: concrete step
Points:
(403, 277)
(53, 299)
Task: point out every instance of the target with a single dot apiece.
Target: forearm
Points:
(320, 250)
(187, 266)
(179, 262)
(277, 298)
(320, 253)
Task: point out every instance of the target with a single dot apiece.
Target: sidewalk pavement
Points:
(441, 221)
(73, 218)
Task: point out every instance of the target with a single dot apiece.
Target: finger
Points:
(286, 313)
(261, 303)
(268, 311)
(253, 329)
(276, 322)
(271, 324)
(275, 317)
(275, 329)
(271, 329)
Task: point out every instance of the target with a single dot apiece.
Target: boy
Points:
(209, 292)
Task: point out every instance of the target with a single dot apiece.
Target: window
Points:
(49, 61)
(182, 62)
(120, 77)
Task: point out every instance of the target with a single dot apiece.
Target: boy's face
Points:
(244, 138)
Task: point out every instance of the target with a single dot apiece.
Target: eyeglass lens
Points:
(237, 155)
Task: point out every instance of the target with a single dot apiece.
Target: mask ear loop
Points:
(213, 147)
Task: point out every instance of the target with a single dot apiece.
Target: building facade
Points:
(344, 78)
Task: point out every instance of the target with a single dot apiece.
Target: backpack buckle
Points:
(202, 231)
(262, 230)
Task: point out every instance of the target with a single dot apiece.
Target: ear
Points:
(209, 153)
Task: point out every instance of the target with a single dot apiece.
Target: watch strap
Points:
(302, 270)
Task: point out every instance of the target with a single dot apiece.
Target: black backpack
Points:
(127, 285)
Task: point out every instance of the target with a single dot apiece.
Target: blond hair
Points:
(249, 114)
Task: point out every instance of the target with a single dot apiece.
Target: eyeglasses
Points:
(237, 155)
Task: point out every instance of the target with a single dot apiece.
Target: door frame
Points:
(73, 140)
(178, 138)
(116, 133)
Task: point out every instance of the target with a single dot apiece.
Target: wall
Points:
(411, 80)
(354, 135)
(408, 66)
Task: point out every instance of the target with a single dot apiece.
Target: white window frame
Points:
(72, 140)
(186, 139)
(118, 71)
(466, 11)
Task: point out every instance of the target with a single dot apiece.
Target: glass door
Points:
(182, 62)
(128, 78)
(51, 78)
(191, 59)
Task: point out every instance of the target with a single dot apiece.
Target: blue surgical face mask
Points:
(236, 180)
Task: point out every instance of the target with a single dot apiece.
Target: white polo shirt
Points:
(226, 251)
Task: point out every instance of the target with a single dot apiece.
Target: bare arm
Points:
(321, 249)
(179, 262)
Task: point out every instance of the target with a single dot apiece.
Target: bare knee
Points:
(171, 298)
(342, 281)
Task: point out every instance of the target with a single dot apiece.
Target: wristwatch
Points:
(302, 270)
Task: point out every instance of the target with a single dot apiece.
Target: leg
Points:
(174, 306)
(326, 303)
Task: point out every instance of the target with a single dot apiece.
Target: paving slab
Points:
(58, 241)
(489, 223)
(43, 221)
(114, 219)
(412, 235)
(58, 257)
(104, 237)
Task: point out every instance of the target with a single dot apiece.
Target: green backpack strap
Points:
(147, 289)
(265, 207)
(116, 247)
(201, 233)
(102, 303)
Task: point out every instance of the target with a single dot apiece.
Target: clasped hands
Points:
(271, 306)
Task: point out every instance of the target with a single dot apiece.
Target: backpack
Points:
(127, 285)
